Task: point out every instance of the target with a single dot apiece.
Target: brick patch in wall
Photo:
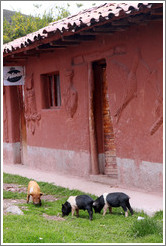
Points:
(109, 144)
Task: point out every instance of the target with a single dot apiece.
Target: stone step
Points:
(104, 179)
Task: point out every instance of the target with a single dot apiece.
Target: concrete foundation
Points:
(140, 174)
(58, 160)
(11, 152)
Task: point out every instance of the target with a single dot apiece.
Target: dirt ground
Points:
(19, 188)
(14, 188)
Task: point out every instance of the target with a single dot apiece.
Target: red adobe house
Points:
(92, 102)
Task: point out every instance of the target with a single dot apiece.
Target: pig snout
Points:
(36, 201)
(97, 206)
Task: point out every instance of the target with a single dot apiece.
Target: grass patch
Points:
(32, 227)
(13, 195)
(146, 227)
(15, 179)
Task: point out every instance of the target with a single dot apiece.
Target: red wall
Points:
(133, 138)
(55, 129)
(132, 132)
(134, 68)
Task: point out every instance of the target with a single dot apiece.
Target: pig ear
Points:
(41, 193)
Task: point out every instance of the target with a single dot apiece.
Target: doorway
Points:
(103, 128)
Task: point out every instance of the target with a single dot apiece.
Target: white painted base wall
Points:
(11, 152)
(131, 173)
(76, 163)
(144, 175)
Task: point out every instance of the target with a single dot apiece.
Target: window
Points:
(51, 90)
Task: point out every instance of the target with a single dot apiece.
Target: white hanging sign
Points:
(14, 75)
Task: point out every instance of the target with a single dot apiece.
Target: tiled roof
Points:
(83, 21)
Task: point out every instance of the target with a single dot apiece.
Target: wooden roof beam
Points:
(63, 43)
(158, 11)
(76, 38)
(109, 29)
(19, 57)
(121, 22)
(95, 33)
(15, 61)
(49, 48)
(137, 19)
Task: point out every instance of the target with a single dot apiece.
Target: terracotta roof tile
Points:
(84, 19)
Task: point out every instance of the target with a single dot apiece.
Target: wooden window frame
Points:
(51, 91)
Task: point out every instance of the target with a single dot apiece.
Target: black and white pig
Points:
(78, 202)
(109, 200)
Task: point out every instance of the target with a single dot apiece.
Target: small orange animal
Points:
(34, 191)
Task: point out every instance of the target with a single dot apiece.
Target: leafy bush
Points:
(21, 25)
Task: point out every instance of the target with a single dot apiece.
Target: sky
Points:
(27, 7)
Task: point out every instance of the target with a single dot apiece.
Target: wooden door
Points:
(104, 135)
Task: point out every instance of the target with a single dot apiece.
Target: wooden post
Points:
(93, 145)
